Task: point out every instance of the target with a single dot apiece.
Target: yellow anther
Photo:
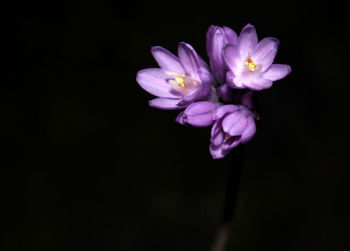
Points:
(251, 64)
(180, 81)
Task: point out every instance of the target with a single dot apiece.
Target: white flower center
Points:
(183, 83)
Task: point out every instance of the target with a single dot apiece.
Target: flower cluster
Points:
(218, 94)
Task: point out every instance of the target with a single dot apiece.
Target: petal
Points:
(189, 59)
(217, 152)
(153, 80)
(231, 35)
(221, 150)
(231, 143)
(238, 127)
(223, 110)
(217, 135)
(202, 107)
(166, 60)
(209, 38)
(165, 103)
(247, 40)
(231, 57)
(198, 114)
(277, 72)
(232, 120)
(215, 54)
(202, 120)
(249, 130)
(263, 48)
(260, 84)
(267, 61)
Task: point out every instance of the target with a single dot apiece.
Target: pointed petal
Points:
(264, 48)
(153, 80)
(166, 60)
(189, 59)
(215, 54)
(277, 72)
(165, 104)
(267, 61)
(209, 38)
(247, 40)
(231, 35)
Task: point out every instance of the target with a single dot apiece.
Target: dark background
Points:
(87, 165)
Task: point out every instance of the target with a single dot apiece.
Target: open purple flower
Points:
(234, 124)
(217, 39)
(179, 81)
(250, 62)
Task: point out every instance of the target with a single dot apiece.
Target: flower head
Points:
(250, 62)
(179, 81)
(220, 96)
(234, 124)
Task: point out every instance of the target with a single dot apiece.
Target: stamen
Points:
(251, 64)
(180, 81)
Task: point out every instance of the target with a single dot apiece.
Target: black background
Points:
(87, 165)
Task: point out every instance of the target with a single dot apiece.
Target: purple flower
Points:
(199, 114)
(217, 39)
(239, 65)
(234, 124)
(250, 62)
(179, 81)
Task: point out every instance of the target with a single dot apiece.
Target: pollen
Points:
(180, 81)
(251, 64)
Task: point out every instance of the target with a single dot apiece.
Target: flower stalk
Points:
(231, 198)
